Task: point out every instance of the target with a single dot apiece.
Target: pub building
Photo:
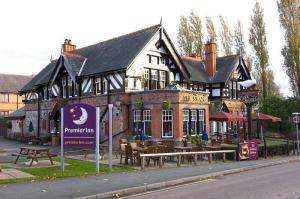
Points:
(152, 87)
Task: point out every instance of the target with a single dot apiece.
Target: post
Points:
(62, 158)
(110, 109)
(249, 107)
(97, 139)
(265, 149)
(288, 147)
(297, 138)
(143, 163)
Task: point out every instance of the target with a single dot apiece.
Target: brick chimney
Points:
(210, 58)
(68, 46)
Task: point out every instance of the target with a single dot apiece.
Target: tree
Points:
(258, 40)
(289, 13)
(226, 37)
(185, 37)
(196, 30)
(239, 41)
(212, 36)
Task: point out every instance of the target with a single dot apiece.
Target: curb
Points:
(165, 184)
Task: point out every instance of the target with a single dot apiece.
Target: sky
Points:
(32, 31)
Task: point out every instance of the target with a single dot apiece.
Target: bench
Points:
(180, 154)
(34, 153)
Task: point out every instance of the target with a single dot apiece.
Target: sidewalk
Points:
(85, 186)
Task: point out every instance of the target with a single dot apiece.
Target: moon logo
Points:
(83, 118)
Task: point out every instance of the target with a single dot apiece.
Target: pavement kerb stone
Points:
(151, 187)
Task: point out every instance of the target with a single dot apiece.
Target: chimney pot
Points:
(68, 46)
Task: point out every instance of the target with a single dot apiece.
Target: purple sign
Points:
(79, 126)
(253, 149)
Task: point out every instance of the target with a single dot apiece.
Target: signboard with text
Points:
(253, 149)
(296, 118)
(79, 126)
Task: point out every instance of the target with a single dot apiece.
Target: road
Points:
(282, 181)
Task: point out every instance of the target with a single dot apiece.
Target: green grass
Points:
(76, 168)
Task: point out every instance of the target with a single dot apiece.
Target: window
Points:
(201, 120)
(3, 113)
(105, 85)
(234, 90)
(70, 88)
(154, 79)
(195, 87)
(45, 93)
(147, 122)
(184, 85)
(146, 79)
(149, 58)
(162, 61)
(4, 97)
(137, 121)
(186, 118)
(64, 85)
(98, 85)
(193, 122)
(162, 79)
(167, 123)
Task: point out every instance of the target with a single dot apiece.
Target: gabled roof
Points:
(115, 54)
(42, 77)
(13, 83)
(225, 67)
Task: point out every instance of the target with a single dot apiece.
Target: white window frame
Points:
(194, 120)
(166, 118)
(201, 118)
(154, 77)
(162, 78)
(186, 118)
(147, 117)
(162, 61)
(146, 78)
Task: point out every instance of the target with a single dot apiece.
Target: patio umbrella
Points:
(265, 118)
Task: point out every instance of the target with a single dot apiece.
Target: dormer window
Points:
(154, 79)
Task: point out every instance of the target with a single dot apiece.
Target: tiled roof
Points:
(225, 66)
(115, 54)
(13, 83)
(17, 114)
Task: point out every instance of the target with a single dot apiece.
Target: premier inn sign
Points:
(79, 126)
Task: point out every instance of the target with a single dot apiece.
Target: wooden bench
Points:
(180, 154)
(34, 153)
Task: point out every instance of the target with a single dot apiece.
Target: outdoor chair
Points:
(122, 152)
(123, 141)
(152, 149)
(133, 145)
(130, 154)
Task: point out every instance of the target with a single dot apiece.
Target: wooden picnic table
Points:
(34, 153)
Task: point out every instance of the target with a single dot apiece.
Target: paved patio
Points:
(13, 174)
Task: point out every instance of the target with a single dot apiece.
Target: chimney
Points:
(211, 58)
(68, 46)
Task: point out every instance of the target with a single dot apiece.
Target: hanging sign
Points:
(253, 149)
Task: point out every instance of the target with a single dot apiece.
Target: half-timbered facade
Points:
(152, 87)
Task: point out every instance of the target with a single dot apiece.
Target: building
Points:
(10, 100)
(151, 86)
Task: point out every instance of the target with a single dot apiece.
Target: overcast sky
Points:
(33, 30)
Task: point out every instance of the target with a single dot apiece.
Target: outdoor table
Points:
(34, 153)
(183, 149)
(212, 148)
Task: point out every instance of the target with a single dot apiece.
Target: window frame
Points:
(163, 119)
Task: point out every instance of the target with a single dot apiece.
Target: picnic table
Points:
(34, 153)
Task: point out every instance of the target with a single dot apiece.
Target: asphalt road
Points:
(281, 181)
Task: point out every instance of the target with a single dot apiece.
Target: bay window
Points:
(167, 123)
(154, 79)
(162, 79)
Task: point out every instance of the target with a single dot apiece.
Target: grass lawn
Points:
(76, 168)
